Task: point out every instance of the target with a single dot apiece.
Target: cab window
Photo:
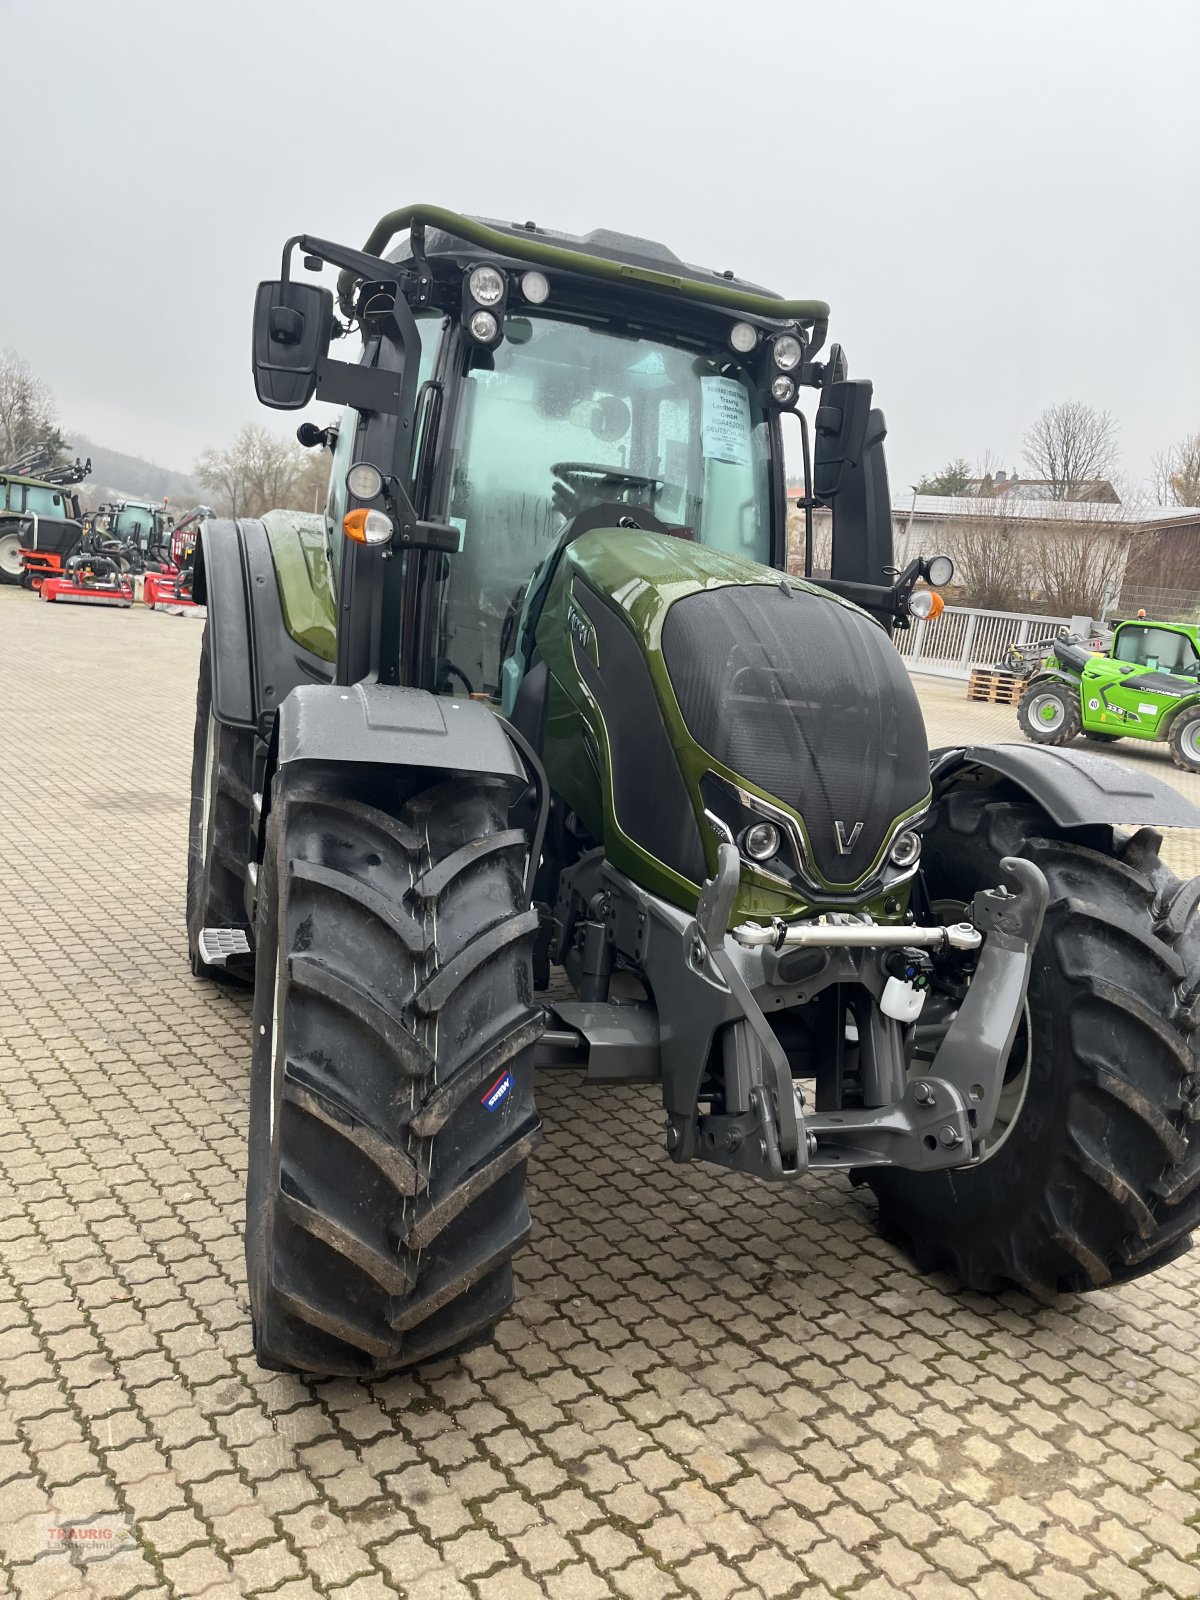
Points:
(1157, 649)
(560, 418)
(46, 502)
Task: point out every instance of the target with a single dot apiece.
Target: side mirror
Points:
(840, 427)
(292, 327)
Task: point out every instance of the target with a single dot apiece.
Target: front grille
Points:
(807, 699)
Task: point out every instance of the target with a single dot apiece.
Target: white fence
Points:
(962, 638)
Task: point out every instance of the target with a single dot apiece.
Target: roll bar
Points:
(567, 258)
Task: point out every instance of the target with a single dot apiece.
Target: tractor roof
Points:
(614, 257)
(31, 483)
(604, 243)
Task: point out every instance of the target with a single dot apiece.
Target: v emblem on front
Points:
(846, 841)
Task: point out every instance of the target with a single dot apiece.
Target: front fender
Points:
(1074, 789)
(382, 725)
(1052, 675)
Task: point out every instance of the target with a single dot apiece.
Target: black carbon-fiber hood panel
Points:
(808, 700)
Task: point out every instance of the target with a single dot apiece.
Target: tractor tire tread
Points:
(1111, 1184)
(387, 1201)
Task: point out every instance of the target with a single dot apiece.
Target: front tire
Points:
(391, 1097)
(1184, 740)
(10, 556)
(218, 823)
(1098, 1176)
(1048, 713)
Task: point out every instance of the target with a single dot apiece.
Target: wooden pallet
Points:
(995, 688)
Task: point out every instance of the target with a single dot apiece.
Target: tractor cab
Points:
(1156, 646)
(515, 384)
(139, 529)
(40, 517)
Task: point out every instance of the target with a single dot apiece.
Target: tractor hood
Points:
(721, 692)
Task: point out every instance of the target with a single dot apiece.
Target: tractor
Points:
(40, 515)
(1145, 685)
(531, 754)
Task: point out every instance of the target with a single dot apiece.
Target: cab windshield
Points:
(134, 523)
(1158, 649)
(560, 418)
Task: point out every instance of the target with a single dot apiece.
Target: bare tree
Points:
(1079, 564)
(1177, 474)
(1071, 446)
(993, 554)
(258, 472)
(27, 410)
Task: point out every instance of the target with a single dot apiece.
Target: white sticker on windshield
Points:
(725, 425)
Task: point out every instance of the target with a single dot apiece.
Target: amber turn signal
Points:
(367, 527)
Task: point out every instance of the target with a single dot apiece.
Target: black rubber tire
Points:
(216, 876)
(1099, 1178)
(394, 995)
(1185, 720)
(1067, 729)
(10, 538)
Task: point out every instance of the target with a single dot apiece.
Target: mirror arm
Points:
(341, 256)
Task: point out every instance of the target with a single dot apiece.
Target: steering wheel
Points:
(593, 475)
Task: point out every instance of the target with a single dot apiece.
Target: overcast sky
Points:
(999, 200)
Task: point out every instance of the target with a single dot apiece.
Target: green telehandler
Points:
(538, 695)
(1146, 685)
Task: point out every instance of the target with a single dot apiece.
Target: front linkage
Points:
(717, 987)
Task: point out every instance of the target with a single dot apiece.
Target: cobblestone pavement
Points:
(709, 1388)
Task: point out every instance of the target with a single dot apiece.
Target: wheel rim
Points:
(1017, 1070)
(1047, 712)
(1189, 742)
(10, 554)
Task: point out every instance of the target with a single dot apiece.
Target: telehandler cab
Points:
(538, 692)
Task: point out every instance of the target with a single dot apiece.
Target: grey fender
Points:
(383, 725)
(1074, 789)
(255, 661)
(1055, 676)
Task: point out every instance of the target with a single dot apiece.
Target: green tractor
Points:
(1145, 686)
(531, 754)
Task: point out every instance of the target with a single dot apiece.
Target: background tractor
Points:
(1146, 685)
(537, 695)
(40, 515)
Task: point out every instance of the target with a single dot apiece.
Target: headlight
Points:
(906, 849)
(367, 527)
(761, 841)
(364, 481)
(784, 390)
(787, 352)
(487, 286)
(939, 570)
(535, 286)
(483, 327)
(743, 336)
